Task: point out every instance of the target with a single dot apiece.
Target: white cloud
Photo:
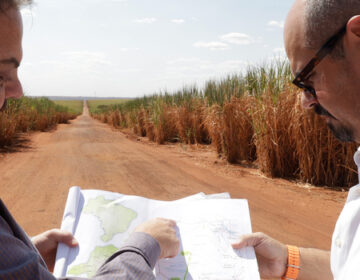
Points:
(183, 60)
(131, 70)
(128, 49)
(233, 65)
(236, 38)
(188, 66)
(275, 23)
(214, 46)
(145, 20)
(193, 67)
(178, 21)
(87, 57)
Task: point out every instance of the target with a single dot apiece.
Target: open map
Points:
(101, 221)
(114, 219)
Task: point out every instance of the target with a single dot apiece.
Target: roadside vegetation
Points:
(252, 118)
(30, 114)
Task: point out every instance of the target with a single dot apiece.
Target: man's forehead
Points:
(294, 35)
(11, 34)
(299, 58)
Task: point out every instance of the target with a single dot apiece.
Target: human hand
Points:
(163, 231)
(47, 243)
(271, 254)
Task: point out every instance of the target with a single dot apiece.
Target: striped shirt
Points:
(19, 259)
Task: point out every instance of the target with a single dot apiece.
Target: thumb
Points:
(248, 240)
(65, 237)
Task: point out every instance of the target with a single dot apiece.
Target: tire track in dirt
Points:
(35, 181)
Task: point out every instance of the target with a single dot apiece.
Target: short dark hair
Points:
(323, 18)
(8, 4)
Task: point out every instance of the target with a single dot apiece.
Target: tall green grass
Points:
(252, 117)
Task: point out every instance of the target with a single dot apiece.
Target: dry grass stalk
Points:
(165, 127)
(272, 125)
(7, 129)
(141, 129)
(28, 114)
(149, 126)
(214, 124)
(115, 118)
(185, 125)
(201, 132)
(238, 133)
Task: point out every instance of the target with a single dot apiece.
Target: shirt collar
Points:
(357, 160)
(354, 192)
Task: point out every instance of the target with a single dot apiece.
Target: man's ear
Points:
(353, 27)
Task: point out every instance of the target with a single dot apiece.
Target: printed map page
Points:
(206, 226)
(101, 221)
(206, 238)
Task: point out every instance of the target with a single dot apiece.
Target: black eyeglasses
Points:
(300, 78)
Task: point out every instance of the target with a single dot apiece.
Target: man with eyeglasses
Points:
(322, 41)
(22, 258)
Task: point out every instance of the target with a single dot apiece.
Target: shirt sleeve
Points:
(17, 259)
(135, 260)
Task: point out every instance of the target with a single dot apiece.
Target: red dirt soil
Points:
(35, 181)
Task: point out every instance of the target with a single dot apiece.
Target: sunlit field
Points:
(251, 118)
(74, 106)
(100, 105)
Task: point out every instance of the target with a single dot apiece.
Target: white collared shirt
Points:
(345, 247)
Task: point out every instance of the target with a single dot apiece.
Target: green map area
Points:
(97, 257)
(114, 218)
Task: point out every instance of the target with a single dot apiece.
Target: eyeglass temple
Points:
(328, 46)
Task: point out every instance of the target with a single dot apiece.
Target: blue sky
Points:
(128, 48)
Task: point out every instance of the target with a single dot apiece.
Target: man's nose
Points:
(307, 100)
(13, 89)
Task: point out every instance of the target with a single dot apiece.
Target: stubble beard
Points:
(342, 133)
(339, 130)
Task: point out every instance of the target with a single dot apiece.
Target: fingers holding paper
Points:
(163, 231)
(271, 254)
(47, 243)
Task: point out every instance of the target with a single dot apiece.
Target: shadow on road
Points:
(20, 143)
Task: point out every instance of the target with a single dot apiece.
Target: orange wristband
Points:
(293, 265)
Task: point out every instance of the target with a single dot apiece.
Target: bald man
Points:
(322, 41)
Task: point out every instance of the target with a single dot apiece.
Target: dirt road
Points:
(35, 181)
